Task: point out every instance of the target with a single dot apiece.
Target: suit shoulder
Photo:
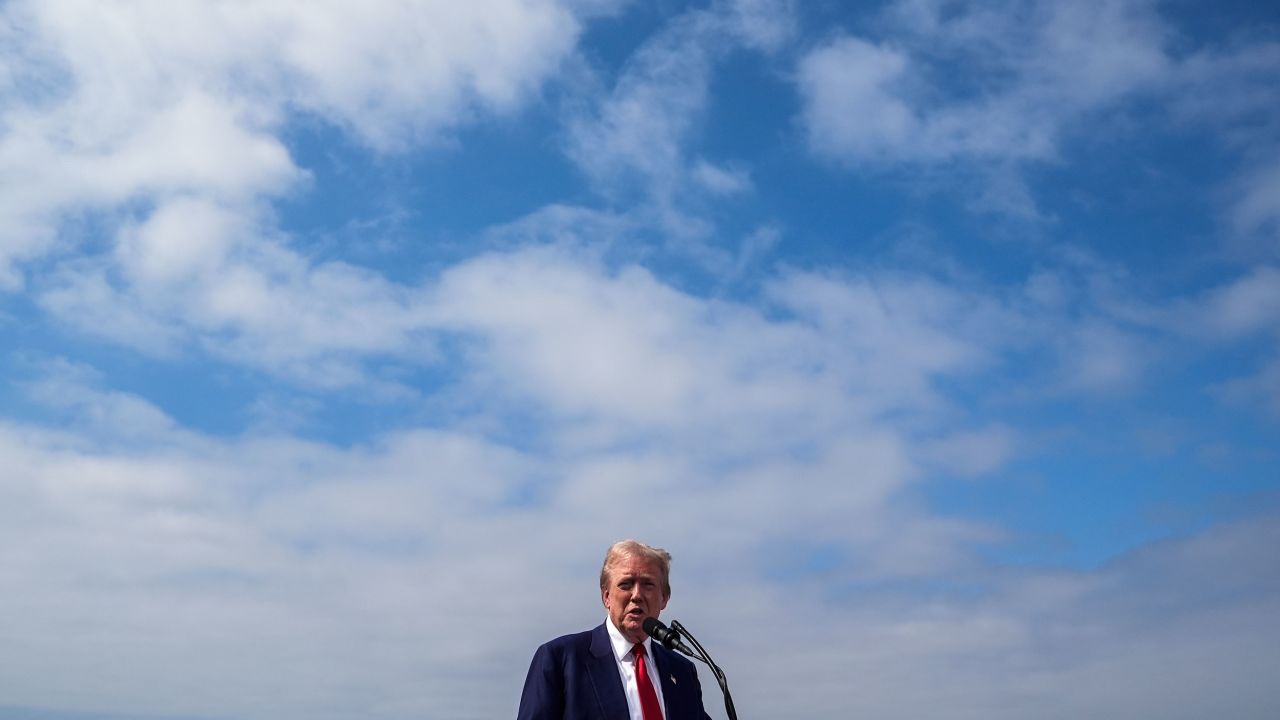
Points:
(567, 643)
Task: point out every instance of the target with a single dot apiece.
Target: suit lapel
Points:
(670, 687)
(603, 668)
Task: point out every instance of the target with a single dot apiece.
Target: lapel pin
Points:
(673, 679)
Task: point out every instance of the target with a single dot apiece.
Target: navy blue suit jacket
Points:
(575, 677)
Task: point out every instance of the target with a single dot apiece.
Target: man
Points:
(616, 672)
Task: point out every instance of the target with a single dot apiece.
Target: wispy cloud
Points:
(634, 135)
(1042, 67)
(1039, 76)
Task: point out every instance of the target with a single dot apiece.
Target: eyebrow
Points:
(650, 578)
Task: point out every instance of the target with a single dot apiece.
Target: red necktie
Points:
(648, 698)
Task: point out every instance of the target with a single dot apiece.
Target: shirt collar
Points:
(622, 646)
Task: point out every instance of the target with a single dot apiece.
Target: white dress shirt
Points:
(622, 648)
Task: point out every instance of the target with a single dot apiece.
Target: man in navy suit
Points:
(609, 673)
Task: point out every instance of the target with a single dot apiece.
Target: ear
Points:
(665, 599)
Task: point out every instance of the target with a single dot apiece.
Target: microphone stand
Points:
(702, 655)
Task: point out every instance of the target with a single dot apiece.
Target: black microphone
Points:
(669, 638)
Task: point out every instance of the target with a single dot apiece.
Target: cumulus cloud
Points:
(178, 570)
(197, 273)
(599, 346)
(275, 563)
(391, 578)
(164, 124)
(120, 103)
(786, 441)
(179, 164)
(852, 107)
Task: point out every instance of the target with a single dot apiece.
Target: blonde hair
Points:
(631, 549)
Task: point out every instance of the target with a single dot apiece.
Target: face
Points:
(634, 593)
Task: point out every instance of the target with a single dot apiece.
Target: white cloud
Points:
(268, 566)
(1028, 72)
(403, 576)
(982, 89)
(387, 71)
(200, 265)
(1241, 307)
(1230, 88)
(1049, 645)
(128, 103)
(1099, 356)
(852, 106)
(634, 137)
(116, 416)
(718, 180)
(763, 24)
(198, 273)
(1104, 336)
(1258, 208)
(638, 130)
(902, 327)
(972, 453)
(602, 348)
(383, 572)
(244, 556)
(1261, 389)
(195, 145)
(161, 569)
(618, 352)
(181, 241)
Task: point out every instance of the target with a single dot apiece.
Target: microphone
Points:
(669, 638)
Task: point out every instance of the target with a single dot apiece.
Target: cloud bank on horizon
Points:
(938, 340)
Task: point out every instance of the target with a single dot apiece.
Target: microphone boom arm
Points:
(702, 655)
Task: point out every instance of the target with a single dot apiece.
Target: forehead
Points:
(634, 567)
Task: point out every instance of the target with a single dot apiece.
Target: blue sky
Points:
(939, 342)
